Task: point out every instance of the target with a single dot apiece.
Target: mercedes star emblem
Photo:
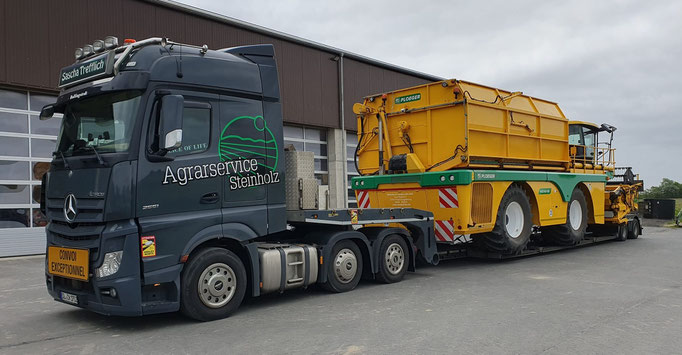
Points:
(70, 207)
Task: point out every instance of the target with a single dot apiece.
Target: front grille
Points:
(76, 237)
(89, 210)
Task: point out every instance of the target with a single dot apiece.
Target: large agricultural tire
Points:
(213, 284)
(635, 229)
(394, 258)
(573, 230)
(512, 225)
(344, 270)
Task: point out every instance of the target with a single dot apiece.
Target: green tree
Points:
(667, 189)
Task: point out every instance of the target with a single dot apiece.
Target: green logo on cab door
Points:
(408, 98)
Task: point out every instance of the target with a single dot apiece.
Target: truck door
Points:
(178, 198)
(248, 151)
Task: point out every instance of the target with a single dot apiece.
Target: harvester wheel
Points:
(573, 231)
(512, 225)
(635, 230)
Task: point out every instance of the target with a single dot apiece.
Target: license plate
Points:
(66, 262)
(69, 298)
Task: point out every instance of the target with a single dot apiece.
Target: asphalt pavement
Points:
(614, 297)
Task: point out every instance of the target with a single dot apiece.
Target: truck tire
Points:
(573, 231)
(393, 259)
(344, 270)
(622, 232)
(512, 225)
(213, 284)
(635, 230)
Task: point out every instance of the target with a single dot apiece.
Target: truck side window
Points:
(196, 130)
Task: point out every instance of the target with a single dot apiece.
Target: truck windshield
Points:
(104, 122)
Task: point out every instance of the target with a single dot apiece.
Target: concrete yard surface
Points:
(614, 297)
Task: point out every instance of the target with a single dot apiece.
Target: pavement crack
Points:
(9, 346)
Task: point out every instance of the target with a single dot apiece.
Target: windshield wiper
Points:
(99, 158)
(66, 164)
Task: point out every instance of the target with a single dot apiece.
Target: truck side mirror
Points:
(46, 113)
(171, 121)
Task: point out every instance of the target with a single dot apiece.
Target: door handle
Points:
(211, 197)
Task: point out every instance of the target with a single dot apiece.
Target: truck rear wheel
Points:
(512, 225)
(622, 232)
(213, 284)
(573, 231)
(635, 230)
(344, 270)
(394, 258)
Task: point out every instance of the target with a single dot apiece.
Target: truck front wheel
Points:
(213, 284)
(344, 270)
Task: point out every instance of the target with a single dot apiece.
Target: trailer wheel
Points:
(512, 225)
(344, 270)
(635, 230)
(622, 232)
(213, 284)
(394, 258)
(573, 231)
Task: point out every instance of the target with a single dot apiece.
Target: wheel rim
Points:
(394, 259)
(217, 285)
(514, 219)
(575, 215)
(345, 265)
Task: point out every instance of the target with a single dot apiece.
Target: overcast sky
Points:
(618, 62)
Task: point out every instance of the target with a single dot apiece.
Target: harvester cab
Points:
(586, 151)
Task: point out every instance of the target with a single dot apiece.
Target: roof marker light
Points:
(128, 41)
(88, 50)
(98, 46)
(110, 42)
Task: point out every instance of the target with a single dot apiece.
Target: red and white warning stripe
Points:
(448, 197)
(363, 199)
(445, 231)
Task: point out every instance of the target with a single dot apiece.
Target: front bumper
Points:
(125, 293)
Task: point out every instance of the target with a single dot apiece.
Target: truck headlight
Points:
(112, 261)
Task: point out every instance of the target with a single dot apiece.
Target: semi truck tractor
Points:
(170, 188)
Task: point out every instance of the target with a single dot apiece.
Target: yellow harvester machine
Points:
(493, 164)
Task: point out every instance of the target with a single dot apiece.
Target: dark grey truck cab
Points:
(167, 189)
